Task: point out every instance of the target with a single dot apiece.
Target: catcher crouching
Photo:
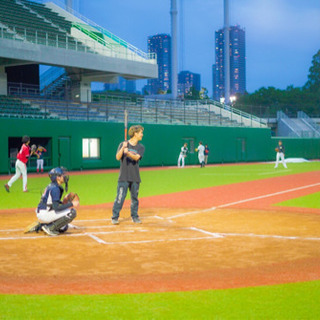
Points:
(55, 214)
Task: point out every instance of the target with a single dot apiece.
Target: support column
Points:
(3, 82)
(226, 53)
(81, 91)
(174, 51)
(85, 91)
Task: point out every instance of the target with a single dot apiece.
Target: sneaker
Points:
(7, 187)
(48, 231)
(26, 190)
(136, 220)
(114, 221)
(33, 227)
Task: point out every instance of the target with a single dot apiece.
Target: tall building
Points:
(186, 80)
(122, 85)
(237, 63)
(161, 45)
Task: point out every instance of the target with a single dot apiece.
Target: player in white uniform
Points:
(182, 155)
(280, 155)
(200, 151)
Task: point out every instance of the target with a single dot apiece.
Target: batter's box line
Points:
(253, 235)
(65, 235)
(211, 236)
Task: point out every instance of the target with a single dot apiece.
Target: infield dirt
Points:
(222, 237)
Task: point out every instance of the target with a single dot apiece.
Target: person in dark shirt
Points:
(129, 153)
(280, 155)
(183, 154)
(53, 214)
(40, 161)
(206, 154)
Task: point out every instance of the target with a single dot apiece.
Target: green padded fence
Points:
(162, 142)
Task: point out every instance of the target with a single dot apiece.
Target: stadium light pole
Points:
(174, 57)
(226, 53)
(68, 3)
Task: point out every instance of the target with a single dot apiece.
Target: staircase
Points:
(301, 127)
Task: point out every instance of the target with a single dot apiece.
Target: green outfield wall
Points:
(63, 140)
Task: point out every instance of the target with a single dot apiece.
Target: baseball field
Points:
(220, 242)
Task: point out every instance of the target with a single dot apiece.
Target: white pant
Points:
(201, 158)
(280, 156)
(181, 158)
(21, 169)
(48, 216)
(39, 164)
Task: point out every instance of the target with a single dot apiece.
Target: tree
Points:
(193, 94)
(313, 83)
(204, 93)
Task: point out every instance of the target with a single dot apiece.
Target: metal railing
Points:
(64, 41)
(110, 108)
(118, 41)
(103, 30)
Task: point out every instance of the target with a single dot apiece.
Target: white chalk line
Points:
(264, 236)
(191, 212)
(67, 235)
(211, 236)
(274, 172)
(269, 195)
(96, 238)
(243, 201)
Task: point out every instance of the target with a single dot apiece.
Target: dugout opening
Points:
(14, 145)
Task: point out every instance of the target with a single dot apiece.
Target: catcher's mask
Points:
(54, 173)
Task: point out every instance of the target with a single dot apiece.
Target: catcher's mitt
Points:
(70, 197)
(277, 149)
(33, 148)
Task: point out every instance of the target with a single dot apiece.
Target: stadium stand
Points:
(16, 108)
(302, 126)
(44, 33)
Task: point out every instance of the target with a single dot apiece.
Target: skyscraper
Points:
(161, 45)
(237, 63)
(122, 85)
(186, 80)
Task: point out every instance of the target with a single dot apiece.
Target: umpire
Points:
(129, 154)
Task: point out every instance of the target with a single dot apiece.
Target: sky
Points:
(281, 35)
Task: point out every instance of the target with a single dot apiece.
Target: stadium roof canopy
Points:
(45, 33)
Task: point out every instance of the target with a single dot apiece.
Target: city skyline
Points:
(281, 35)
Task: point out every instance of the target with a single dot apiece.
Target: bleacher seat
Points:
(12, 107)
(38, 24)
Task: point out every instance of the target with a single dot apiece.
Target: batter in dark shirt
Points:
(129, 154)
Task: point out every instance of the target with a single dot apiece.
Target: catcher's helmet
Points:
(54, 173)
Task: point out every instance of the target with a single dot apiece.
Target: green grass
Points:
(288, 301)
(309, 201)
(101, 188)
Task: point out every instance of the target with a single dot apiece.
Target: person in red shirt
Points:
(21, 165)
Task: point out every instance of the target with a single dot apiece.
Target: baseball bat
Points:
(125, 124)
